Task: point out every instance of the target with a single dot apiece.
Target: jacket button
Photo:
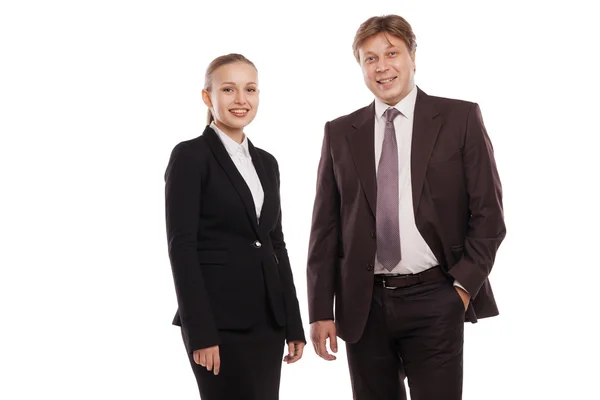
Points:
(369, 267)
(257, 244)
(373, 234)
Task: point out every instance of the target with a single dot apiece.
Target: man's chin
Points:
(391, 98)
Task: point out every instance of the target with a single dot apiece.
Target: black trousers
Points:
(251, 363)
(414, 332)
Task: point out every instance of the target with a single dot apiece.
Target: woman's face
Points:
(233, 97)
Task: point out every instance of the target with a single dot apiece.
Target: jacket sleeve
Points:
(324, 244)
(486, 223)
(294, 329)
(182, 207)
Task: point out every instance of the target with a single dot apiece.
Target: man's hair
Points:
(391, 24)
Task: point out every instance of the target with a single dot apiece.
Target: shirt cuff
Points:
(461, 286)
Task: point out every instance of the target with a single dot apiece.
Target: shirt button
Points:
(369, 267)
(257, 244)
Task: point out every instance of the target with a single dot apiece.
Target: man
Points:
(406, 224)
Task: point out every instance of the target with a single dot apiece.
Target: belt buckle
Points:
(385, 286)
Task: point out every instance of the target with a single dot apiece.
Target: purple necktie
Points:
(388, 203)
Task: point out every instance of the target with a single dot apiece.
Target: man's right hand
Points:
(208, 358)
(319, 332)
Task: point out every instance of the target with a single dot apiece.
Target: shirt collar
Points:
(406, 106)
(231, 145)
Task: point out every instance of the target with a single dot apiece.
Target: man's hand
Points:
(208, 358)
(295, 350)
(464, 295)
(320, 331)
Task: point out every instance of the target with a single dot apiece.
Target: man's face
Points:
(388, 67)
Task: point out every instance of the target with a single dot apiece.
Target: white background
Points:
(95, 94)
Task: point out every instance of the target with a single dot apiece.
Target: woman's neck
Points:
(236, 135)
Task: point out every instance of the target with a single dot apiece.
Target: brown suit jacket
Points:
(457, 200)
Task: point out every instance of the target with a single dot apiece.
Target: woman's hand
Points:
(208, 358)
(295, 350)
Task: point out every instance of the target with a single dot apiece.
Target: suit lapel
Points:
(264, 181)
(425, 130)
(233, 174)
(362, 148)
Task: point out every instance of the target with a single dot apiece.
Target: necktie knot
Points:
(390, 114)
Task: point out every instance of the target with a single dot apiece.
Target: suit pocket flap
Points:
(218, 257)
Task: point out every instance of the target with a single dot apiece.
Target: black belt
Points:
(391, 281)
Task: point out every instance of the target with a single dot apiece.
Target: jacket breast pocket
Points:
(445, 157)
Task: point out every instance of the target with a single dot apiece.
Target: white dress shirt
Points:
(243, 161)
(416, 254)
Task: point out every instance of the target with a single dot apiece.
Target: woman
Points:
(237, 303)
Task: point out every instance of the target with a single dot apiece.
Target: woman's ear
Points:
(206, 98)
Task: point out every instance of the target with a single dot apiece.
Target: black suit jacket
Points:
(223, 259)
